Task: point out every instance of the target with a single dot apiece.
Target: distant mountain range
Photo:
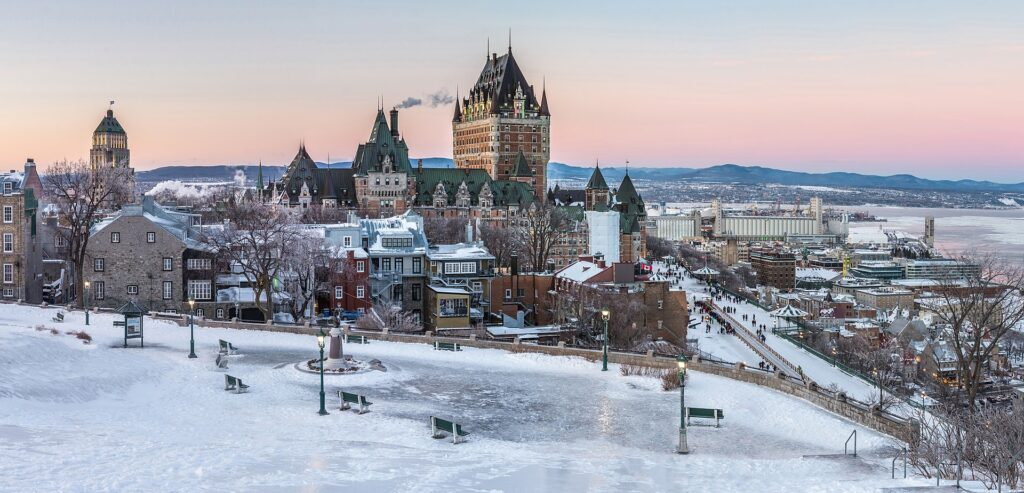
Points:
(725, 173)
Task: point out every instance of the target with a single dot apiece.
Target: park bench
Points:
(222, 362)
(347, 399)
(226, 347)
(232, 383)
(700, 412)
(356, 339)
(447, 346)
(59, 317)
(438, 427)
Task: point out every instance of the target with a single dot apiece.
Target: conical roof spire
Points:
(544, 99)
(597, 179)
(458, 107)
(522, 167)
(259, 177)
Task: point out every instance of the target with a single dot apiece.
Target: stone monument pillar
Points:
(335, 357)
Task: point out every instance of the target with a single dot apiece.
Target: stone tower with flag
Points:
(500, 120)
(110, 143)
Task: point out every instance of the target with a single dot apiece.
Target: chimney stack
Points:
(394, 122)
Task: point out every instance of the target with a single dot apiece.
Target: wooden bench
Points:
(347, 399)
(438, 427)
(356, 339)
(232, 383)
(447, 346)
(222, 362)
(226, 347)
(59, 317)
(700, 412)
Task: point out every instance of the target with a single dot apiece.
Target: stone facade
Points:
(20, 246)
(140, 255)
(110, 144)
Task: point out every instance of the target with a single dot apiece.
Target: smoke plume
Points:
(439, 98)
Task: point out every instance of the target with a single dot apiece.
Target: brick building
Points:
(774, 267)
(500, 118)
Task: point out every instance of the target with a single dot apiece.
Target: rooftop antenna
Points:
(487, 56)
(627, 166)
(510, 40)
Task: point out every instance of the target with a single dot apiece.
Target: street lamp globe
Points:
(191, 304)
(87, 284)
(320, 341)
(605, 314)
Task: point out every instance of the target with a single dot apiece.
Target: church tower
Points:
(501, 118)
(110, 144)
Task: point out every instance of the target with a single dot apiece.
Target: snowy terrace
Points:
(98, 417)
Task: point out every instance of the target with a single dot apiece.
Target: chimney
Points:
(394, 122)
(469, 232)
(514, 264)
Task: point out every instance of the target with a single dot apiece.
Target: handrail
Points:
(904, 454)
(846, 445)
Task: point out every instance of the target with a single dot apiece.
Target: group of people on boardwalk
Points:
(724, 326)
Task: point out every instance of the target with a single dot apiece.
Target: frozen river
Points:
(100, 418)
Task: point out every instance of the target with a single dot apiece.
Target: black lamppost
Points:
(323, 402)
(683, 448)
(192, 328)
(86, 302)
(605, 315)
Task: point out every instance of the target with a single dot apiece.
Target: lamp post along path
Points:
(605, 315)
(683, 448)
(85, 301)
(192, 328)
(323, 401)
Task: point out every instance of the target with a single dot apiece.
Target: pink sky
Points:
(869, 88)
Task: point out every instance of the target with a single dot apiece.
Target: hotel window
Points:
(399, 265)
(8, 188)
(98, 264)
(347, 241)
(508, 294)
(150, 237)
(385, 264)
(8, 214)
(338, 292)
(168, 290)
(417, 265)
(478, 286)
(8, 292)
(200, 312)
(168, 263)
(8, 273)
(97, 290)
(416, 292)
(115, 237)
(360, 292)
(360, 266)
(397, 292)
(8, 242)
(460, 268)
(199, 290)
(220, 313)
(59, 241)
(133, 289)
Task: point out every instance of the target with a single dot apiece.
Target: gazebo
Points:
(787, 315)
(705, 273)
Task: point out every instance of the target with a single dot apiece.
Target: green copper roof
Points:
(503, 192)
(597, 180)
(522, 167)
(109, 124)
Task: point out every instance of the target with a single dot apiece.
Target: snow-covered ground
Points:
(97, 417)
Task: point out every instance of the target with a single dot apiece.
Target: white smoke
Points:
(180, 190)
(439, 98)
(239, 178)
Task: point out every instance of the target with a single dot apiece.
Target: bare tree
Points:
(82, 193)
(318, 214)
(389, 316)
(308, 265)
(445, 230)
(659, 247)
(495, 237)
(537, 232)
(257, 237)
(980, 306)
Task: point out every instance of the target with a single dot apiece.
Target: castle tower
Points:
(596, 193)
(110, 144)
(501, 117)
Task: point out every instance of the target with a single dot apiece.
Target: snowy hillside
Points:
(97, 417)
